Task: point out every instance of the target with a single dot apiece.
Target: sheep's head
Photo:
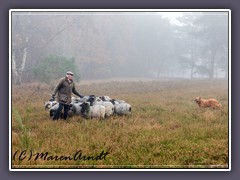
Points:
(85, 109)
(112, 101)
(48, 105)
(105, 98)
(91, 99)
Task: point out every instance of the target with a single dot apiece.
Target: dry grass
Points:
(166, 129)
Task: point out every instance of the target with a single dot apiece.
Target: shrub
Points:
(54, 67)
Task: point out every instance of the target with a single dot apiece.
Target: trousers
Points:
(58, 112)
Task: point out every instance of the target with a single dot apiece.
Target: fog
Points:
(108, 45)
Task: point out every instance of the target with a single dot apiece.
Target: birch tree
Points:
(20, 43)
(34, 38)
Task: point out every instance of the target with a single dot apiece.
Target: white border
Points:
(10, 90)
(229, 88)
(119, 10)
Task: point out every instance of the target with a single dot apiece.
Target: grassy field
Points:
(165, 130)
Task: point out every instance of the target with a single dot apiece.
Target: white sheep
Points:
(109, 108)
(122, 108)
(96, 111)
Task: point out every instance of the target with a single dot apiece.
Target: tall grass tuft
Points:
(23, 130)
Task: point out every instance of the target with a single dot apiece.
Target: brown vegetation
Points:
(165, 129)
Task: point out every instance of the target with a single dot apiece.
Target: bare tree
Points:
(20, 45)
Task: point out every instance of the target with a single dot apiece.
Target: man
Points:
(64, 90)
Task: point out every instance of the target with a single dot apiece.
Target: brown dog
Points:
(213, 103)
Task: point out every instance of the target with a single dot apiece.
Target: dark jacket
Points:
(64, 91)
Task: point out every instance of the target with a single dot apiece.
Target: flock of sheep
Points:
(103, 106)
(93, 107)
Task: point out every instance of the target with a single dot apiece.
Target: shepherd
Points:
(64, 90)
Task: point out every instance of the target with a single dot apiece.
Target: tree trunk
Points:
(14, 68)
(17, 72)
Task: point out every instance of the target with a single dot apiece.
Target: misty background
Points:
(104, 45)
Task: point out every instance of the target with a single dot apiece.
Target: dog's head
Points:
(197, 99)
